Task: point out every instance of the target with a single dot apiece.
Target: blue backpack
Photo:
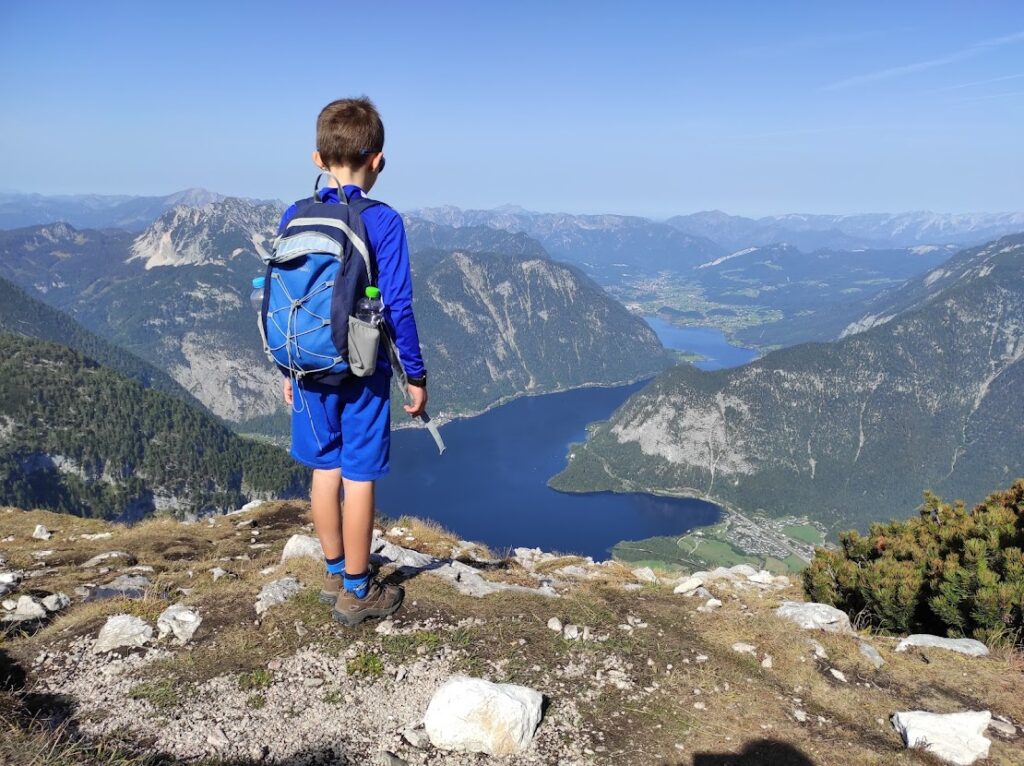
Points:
(320, 267)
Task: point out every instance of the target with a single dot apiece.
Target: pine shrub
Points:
(948, 571)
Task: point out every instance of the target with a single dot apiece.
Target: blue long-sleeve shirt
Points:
(386, 232)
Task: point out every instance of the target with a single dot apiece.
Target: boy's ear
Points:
(317, 161)
(375, 161)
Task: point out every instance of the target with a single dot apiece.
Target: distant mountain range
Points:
(498, 317)
(928, 397)
(600, 243)
(849, 232)
(96, 211)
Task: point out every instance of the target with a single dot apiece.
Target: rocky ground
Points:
(169, 643)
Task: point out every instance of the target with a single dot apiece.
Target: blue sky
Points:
(646, 108)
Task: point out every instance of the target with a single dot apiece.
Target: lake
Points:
(709, 342)
(491, 484)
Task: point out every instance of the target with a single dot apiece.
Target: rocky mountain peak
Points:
(198, 640)
(211, 233)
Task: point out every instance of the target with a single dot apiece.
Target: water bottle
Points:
(256, 296)
(370, 307)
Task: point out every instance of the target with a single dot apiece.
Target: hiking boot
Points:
(334, 584)
(380, 601)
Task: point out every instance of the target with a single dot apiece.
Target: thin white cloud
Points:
(976, 83)
(920, 66)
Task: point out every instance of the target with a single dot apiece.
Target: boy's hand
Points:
(418, 397)
(286, 390)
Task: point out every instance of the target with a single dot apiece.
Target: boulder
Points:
(966, 646)
(276, 592)
(9, 582)
(812, 616)
(98, 559)
(41, 533)
(302, 546)
(122, 630)
(742, 570)
(27, 609)
(955, 738)
(688, 585)
(764, 577)
(97, 536)
(645, 574)
(871, 654)
(478, 716)
(178, 620)
(56, 601)
(124, 586)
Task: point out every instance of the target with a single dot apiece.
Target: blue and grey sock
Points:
(358, 585)
(335, 566)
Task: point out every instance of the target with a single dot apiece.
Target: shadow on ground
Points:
(765, 752)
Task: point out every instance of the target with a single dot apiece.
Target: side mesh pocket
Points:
(363, 340)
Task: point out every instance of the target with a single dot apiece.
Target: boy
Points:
(343, 432)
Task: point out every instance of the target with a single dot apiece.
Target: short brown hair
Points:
(348, 130)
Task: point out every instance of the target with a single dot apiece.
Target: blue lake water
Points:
(709, 342)
(491, 484)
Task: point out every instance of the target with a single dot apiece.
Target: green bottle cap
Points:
(372, 292)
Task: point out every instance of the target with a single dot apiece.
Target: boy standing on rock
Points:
(342, 431)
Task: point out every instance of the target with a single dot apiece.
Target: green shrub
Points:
(947, 571)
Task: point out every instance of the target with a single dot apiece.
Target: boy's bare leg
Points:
(326, 503)
(358, 525)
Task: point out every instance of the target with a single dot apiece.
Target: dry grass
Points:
(745, 703)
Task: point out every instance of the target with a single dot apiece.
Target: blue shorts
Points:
(347, 426)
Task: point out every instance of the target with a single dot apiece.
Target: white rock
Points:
(645, 574)
(178, 620)
(27, 608)
(9, 582)
(478, 716)
(97, 536)
(764, 577)
(955, 738)
(39, 555)
(122, 630)
(416, 738)
(95, 561)
(302, 546)
(277, 592)
(838, 675)
(41, 533)
(1003, 728)
(555, 624)
(871, 654)
(743, 570)
(767, 663)
(688, 585)
(56, 601)
(218, 572)
(741, 648)
(812, 616)
(9, 604)
(966, 646)
(571, 632)
(818, 649)
(122, 586)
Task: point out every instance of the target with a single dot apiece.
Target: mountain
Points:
(498, 317)
(80, 438)
(21, 314)
(849, 232)
(816, 294)
(930, 398)
(176, 295)
(604, 245)
(96, 211)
